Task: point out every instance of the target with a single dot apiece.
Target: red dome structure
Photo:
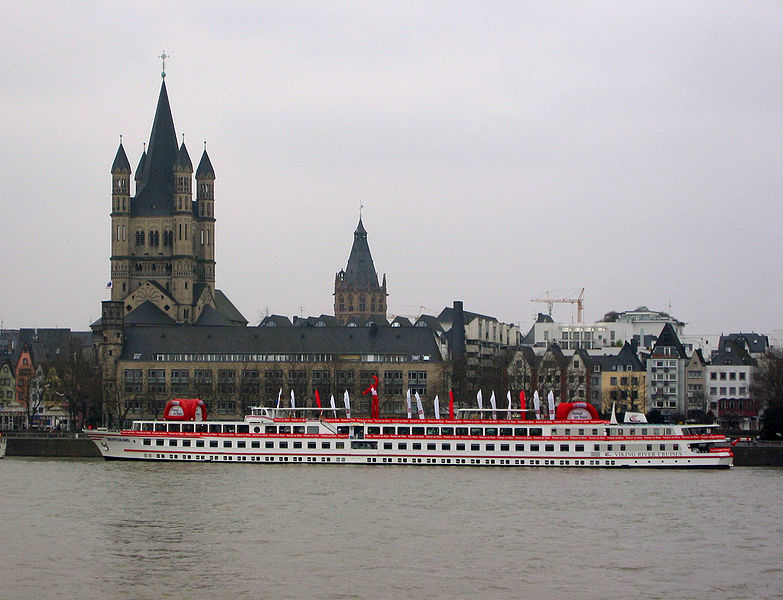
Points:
(185, 409)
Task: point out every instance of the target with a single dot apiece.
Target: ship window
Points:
(158, 442)
(269, 444)
(416, 445)
(563, 447)
(187, 427)
(475, 447)
(255, 444)
(418, 431)
(214, 428)
(172, 442)
(644, 432)
(519, 447)
(581, 432)
(667, 431)
(461, 431)
(534, 447)
(186, 442)
(492, 431)
(535, 431)
(228, 429)
(663, 447)
(270, 429)
(445, 446)
(227, 443)
(299, 429)
(373, 430)
(243, 428)
(339, 445)
(579, 447)
(549, 447)
(476, 430)
(326, 445)
(595, 432)
(622, 447)
(199, 443)
(402, 446)
(609, 447)
(506, 431)
(241, 444)
(311, 445)
(649, 447)
(460, 446)
(596, 448)
(676, 447)
(201, 427)
(620, 431)
(433, 431)
(341, 429)
(146, 426)
(553, 432)
(388, 431)
(431, 447)
(213, 444)
(287, 429)
(387, 445)
(491, 447)
(283, 445)
(504, 447)
(160, 427)
(312, 429)
(520, 431)
(403, 431)
(447, 431)
(297, 444)
(567, 431)
(147, 442)
(174, 427)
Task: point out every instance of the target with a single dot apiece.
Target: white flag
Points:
(436, 406)
(480, 400)
(537, 404)
(508, 395)
(334, 408)
(347, 402)
(280, 393)
(293, 400)
(551, 401)
(494, 406)
(408, 399)
(419, 407)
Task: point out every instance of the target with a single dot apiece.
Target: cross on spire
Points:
(163, 58)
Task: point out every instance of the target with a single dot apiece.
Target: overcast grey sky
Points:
(500, 150)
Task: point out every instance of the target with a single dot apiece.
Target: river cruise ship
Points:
(308, 436)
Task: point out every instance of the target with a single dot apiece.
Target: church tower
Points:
(162, 254)
(357, 295)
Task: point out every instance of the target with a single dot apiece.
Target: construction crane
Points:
(579, 301)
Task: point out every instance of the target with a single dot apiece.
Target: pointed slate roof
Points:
(360, 271)
(209, 316)
(148, 314)
(120, 164)
(668, 338)
(224, 306)
(140, 168)
(155, 190)
(205, 170)
(183, 160)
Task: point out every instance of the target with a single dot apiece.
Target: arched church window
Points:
(139, 238)
(154, 238)
(362, 304)
(168, 238)
(202, 237)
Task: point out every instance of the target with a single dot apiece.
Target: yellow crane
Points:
(579, 301)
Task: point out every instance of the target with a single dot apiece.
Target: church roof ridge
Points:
(120, 164)
(205, 170)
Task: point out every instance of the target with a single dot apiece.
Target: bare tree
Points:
(767, 388)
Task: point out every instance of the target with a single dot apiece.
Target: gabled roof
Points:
(275, 321)
(376, 320)
(120, 164)
(401, 322)
(183, 160)
(140, 168)
(447, 316)
(360, 271)
(756, 343)
(148, 314)
(433, 323)
(224, 306)
(668, 338)
(155, 190)
(209, 316)
(205, 170)
(732, 352)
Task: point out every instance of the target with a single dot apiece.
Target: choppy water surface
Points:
(95, 529)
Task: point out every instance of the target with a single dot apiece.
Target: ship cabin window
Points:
(255, 444)
(364, 445)
(461, 431)
(631, 432)
(403, 431)
(402, 446)
(504, 447)
(214, 428)
(596, 447)
(433, 430)
(475, 447)
(567, 431)
(491, 447)
(160, 427)
(227, 443)
(520, 431)
(447, 431)
(460, 447)
(283, 445)
(310, 445)
(174, 427)
(299, 429)
(519, 447)
(595, 432)
(609, 447)
(388, 431)
(341, 429)
(187, 427)
(491, 431)
(339, 445)
(201, 427)
(256, 430)
(297, 444)
(416, 445)
(241, 444)
(506, 431)
(676, 447)
(186, 442)
(644, 432)
(136, 427)
(431, 447)
(418, 430)
(387, 445)
(579, 447)
(199, 443)
(287, 429)
(553, 431)
(536, 432)
(147, 442)
(228, 429)
(159, 442)
(667, 431)
(213, 444)
(373, 430)
(243, 428)
(269, 444)
(172, 442)
(270, 429)
(549, 447)
(445, 446)
(620, 431)
(563, 447)
(663, 447)
(649, 447)
(326, 445)
(534, 447)
(656, 431)
(312, 430)
(476, 431)
(146, 426)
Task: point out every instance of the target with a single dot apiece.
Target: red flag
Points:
(451, 404)
(317, 399)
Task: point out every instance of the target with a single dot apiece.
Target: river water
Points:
(86, 528)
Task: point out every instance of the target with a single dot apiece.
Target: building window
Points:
(154, 238)
(139, 238)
